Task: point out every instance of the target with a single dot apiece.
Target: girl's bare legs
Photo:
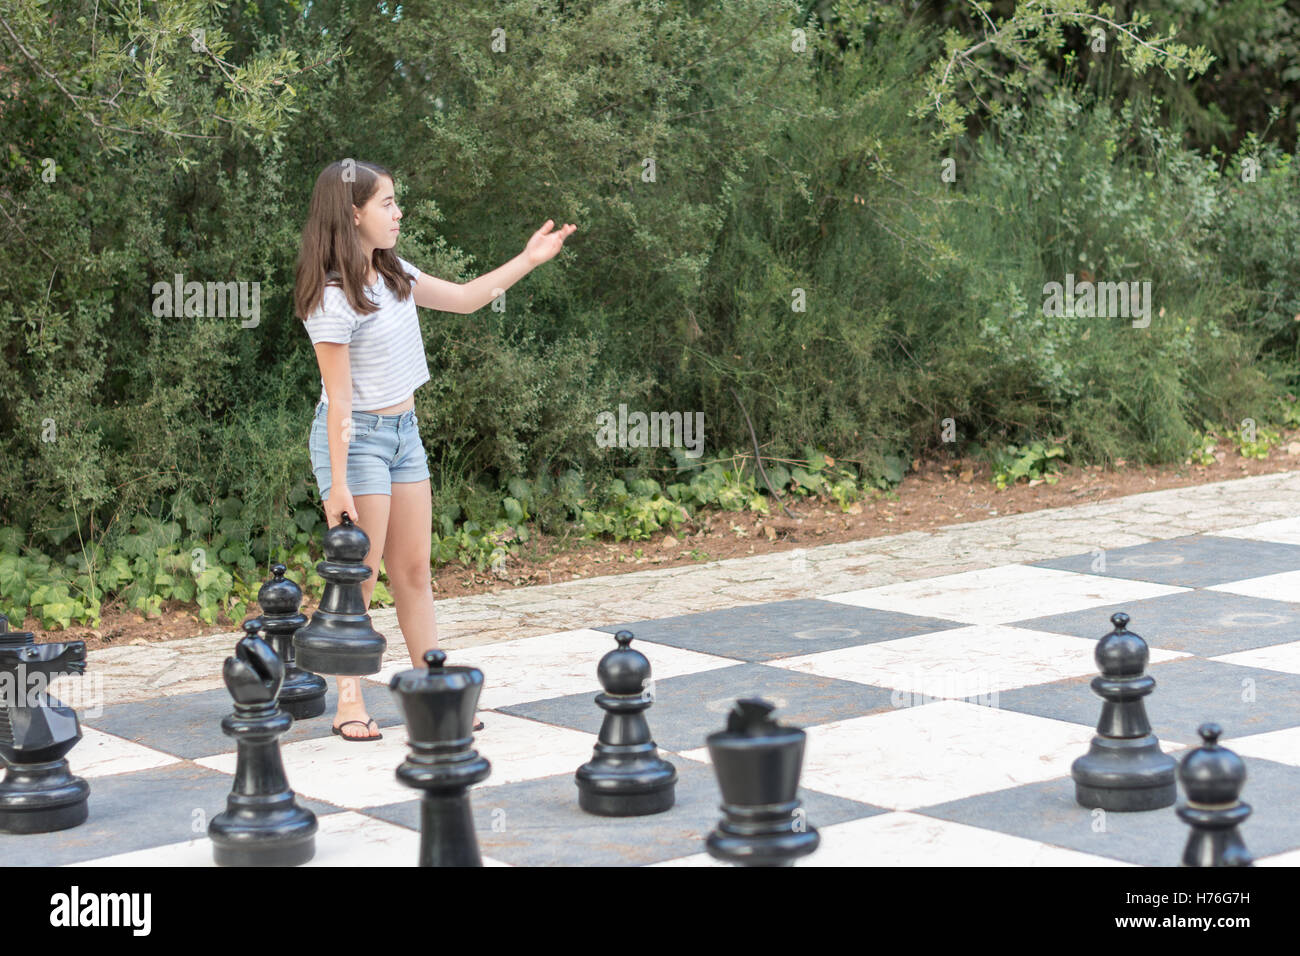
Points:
(406, 558)
(406, 518)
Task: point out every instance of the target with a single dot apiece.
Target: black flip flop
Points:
(478, 726)
(337, 731)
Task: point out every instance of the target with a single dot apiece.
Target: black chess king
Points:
(438, 704)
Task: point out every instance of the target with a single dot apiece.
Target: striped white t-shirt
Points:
(385, 348)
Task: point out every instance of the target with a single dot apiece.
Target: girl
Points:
(357, 298)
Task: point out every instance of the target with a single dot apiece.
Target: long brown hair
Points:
(331, 249)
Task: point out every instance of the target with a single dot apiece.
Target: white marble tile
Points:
(1279, 657)
(98, 754)
(1290, 858)
(522, 749)
(343, 839)
(1283, 530)
(555, 665)
(977, 660)
(909, 839)
(1284, 586)
(364, 775)
(196, 852)
(695, 859)
(354, 839)
(459, 657)
(335, 771)
(1282, 746)
(1013, 592)
(920, 756)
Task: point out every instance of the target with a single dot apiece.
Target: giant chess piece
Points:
(1124, 769)
(626, 776)
(39, 793)
(757, 762)
(262, 824)
(302, 694)
(340, 639)
(438, 705)
(1212, 778)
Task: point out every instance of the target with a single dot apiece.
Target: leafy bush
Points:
(766, 238)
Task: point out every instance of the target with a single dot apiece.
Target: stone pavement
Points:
(139, 672)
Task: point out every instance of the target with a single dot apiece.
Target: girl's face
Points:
(377, 220)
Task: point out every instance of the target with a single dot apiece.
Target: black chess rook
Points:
(262, 825)
(625, 776)
(1212, 778)
(1124, 768)
(39, 792)
(340, 639)
(757, 762)
(438, 704)
(302, 694)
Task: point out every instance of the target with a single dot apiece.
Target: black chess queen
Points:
(357, 299)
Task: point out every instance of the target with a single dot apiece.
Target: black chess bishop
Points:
(262, 825)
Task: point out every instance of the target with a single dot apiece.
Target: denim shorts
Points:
(383, 449)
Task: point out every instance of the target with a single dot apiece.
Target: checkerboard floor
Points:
(942, 718)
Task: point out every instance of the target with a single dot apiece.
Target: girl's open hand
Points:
(545, 245)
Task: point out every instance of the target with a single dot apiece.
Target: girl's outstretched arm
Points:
(433, 293)
(471, 296)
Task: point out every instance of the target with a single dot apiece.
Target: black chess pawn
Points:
(757, 763)
(302, 695)
(340, 638)
(1124, 769)
(1212, 778)
(39, 793)
(262, 825)
(438, 705)
(626, 776)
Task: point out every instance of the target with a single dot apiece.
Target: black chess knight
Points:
(39, 793)
(1124, 769)
(339, 638)
(262, 824)
(625, 776)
